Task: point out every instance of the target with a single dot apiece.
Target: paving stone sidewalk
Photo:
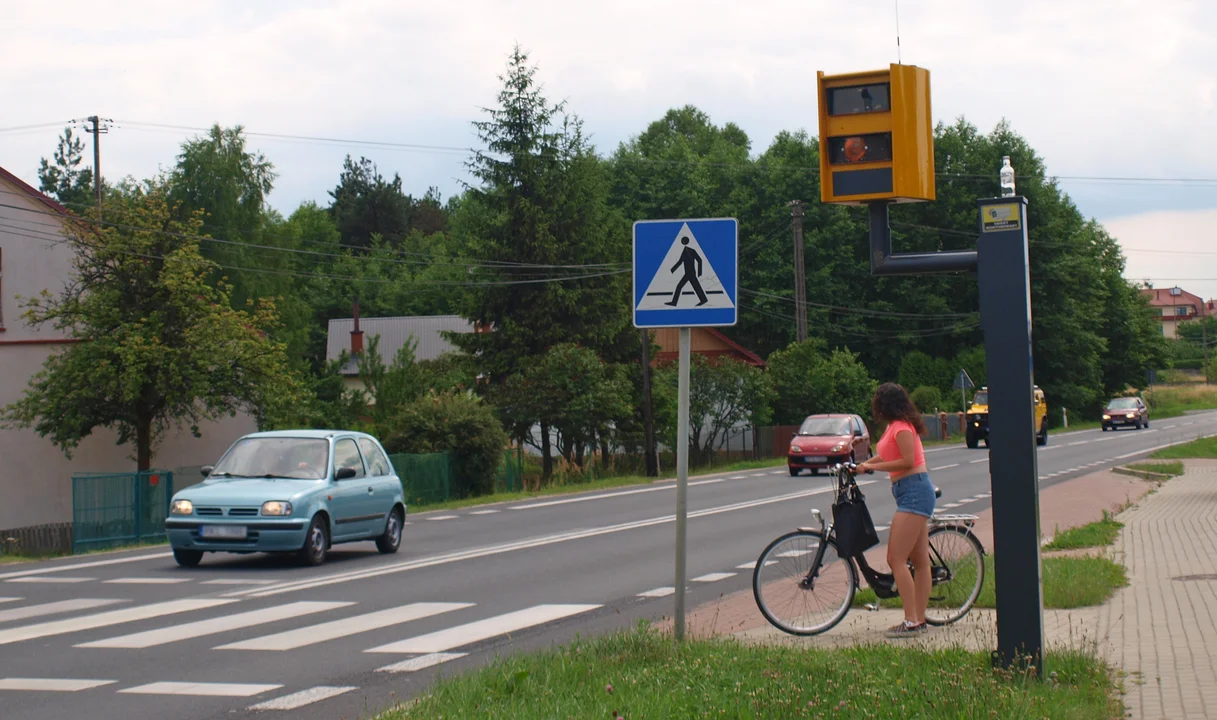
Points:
(1161, 629)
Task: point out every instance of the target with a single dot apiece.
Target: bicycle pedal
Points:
(873, 607)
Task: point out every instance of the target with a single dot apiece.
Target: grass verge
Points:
(645, 674)
(16, 558)
(1165, 468)
(1096, 534)
(1069, 582)
(1201, 448)
(600, 484)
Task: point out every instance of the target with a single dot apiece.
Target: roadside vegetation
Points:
(645, 674)
(1096, 534)
(1163, 468)
(1199, 448)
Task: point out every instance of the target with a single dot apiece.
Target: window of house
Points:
(1181, 311)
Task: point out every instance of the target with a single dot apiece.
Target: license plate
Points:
(815, 459)
(228, 532)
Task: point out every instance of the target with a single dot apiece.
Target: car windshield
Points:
(982, 398)
(276, 457)
(1122, 404)
(824, 427)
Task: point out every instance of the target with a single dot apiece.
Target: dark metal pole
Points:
(1004, 283)
(883, 262)
(800, 272)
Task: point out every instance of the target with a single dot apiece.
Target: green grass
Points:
(605, 483)
(1096, 534)
(646, 674)
(1165, 468)
(16, 558)
(1201, 448)
(1069, 582)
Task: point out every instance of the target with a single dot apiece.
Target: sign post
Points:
(963, 381)
(686, 275)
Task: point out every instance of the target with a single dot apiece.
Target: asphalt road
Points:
(124, 635)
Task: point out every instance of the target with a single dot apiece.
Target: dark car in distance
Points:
(1125, 412)
(824, 440)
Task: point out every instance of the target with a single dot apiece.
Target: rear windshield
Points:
(1123, 404)
(982, 398)
(825, 427)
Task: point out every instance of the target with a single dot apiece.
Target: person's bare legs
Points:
(921, 569)
(907, 530)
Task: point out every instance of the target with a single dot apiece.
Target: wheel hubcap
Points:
(318, 541)
(394, 529)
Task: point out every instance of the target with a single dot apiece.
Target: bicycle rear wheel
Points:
(777, 584)
(957, 565)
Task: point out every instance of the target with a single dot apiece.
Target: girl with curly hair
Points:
(900, 454)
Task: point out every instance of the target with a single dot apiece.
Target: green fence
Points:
(112, 509)
(425, 478)
(511, 472)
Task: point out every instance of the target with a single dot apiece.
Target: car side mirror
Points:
(345, 473)
(206, 470)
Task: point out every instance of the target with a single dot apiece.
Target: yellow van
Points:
(978, 418)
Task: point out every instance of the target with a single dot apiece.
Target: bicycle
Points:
(957, 578)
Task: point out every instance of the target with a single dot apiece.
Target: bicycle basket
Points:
(852, 524)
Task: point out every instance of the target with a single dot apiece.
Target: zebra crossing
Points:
(223, 626)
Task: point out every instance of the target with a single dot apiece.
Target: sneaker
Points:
(906, 629)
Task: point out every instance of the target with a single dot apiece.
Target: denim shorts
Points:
(914, 494)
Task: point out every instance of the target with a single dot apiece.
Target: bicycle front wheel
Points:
(957, 565)
(790, 604)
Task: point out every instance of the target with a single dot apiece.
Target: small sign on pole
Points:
(686, 275)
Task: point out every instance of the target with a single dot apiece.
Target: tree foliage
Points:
(64, 178)
(808, 380)
(724, 393)
(157, 346)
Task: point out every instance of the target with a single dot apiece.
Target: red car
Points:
(824, 440)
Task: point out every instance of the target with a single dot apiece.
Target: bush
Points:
(808, 379)
(456, 423)
(927, 399)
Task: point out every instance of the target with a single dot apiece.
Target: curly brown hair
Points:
(892, 402)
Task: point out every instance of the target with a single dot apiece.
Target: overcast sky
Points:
(1101, 88)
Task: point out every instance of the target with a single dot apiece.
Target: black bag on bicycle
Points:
(853, 526)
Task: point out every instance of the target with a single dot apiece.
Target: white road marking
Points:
(738, 477)
(483, 512)
(238, 581)
(945, 467)
(300, 637)
(8, 599)
(985, 495)
(82, 566)
(1103, 439)
(422, 662)
(984, 459)
(778, 472)
(659, 592)
(444, 517)
(201, 689)
(473, 632)
(752, 565)
(520, 545)
(223, 623)
(1168, 427)
(52, 608)
(50, 580)
(51, 684)
(949, 506)
(1079, 442)
(798, 553)
(1051, 447)
(881, 528)
(111, 617)
(145, 581)
(601, 496)
(304, 697)
(713, 577)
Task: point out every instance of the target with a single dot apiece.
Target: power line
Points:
(39, 126)
(877, 313)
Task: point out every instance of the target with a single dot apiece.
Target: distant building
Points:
(353, 335)
(1176, 305)
(706, 342)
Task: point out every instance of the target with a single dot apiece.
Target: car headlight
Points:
(276, 507)
(1106, 417)
(796, 448)
(182, 507)
(838, 447)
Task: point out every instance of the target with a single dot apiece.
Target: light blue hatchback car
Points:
(297, 491)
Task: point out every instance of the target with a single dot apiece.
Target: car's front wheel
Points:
(390, 540)
(316, 542)
(188, 558)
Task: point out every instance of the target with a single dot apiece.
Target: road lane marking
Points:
(483, 512)
(798, 553)
(985, 495)
(8, 599)
(51, 684)
(1079, 442)
(1052, 447)
(82, 566)
(659, 592)
(305, 697)
(238, 581)
(1168, 427)
(738, 477)
(779, 472)
(201, 689)
(752, 565)
(223, 623)
(52, 608)
(953, 505)
(301, 637)
(881, 528)
(145, 581)
(470, 633)
(422, 662)
(979, 461)
(944, 467)
(544, 540)
(444, 517)
(50, 580)
(713, 577)
(601, 496)
(110, 617)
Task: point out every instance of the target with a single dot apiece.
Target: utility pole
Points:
(97, 131)
(800, 271)
(648, 418)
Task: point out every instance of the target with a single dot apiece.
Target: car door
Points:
(383, 487)
(861, 441)
(349, 503)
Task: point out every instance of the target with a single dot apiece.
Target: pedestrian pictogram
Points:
(685, 273)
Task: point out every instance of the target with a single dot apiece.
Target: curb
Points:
(1143, 474)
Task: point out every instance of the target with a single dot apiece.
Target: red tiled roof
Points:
(32, 192)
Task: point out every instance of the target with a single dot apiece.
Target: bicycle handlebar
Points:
(853, 468)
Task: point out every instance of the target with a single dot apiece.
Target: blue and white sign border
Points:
(669, 323)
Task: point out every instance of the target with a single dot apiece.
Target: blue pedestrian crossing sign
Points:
(686, 273)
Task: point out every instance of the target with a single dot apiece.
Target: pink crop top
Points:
(889, 450)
